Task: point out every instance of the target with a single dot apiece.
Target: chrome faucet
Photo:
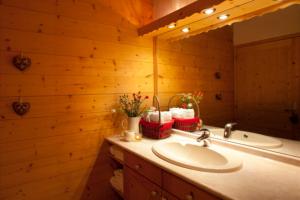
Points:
(228, 129)
(204, 136)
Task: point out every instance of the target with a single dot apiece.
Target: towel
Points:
(182, 113)
(117, 184)
(117, 180)
(165, 116)
(118, 173)
(116, 152)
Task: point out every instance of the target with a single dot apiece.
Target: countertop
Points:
(259, 178)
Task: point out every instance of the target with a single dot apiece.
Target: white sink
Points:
(249, 138)
(193, 155)
(256, 140)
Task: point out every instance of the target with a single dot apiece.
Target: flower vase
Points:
(134, 124)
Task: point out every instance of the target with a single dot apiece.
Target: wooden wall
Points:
(165, 7)
(268, 86)
(137, 12)
(84, 56)
(190, 64)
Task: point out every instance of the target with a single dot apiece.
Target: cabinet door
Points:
(183, 190)
(143, 168)
(266, 88)
(136, 187)
(167, 196)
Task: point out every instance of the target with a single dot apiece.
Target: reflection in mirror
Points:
(259, 64)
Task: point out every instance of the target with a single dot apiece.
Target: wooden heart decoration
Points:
(21, 108)
(218, 75)
(219, 97)
(21, 62)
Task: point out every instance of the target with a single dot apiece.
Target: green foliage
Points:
(132, 107)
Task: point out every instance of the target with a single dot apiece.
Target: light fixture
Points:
(223, 17)
(186, 30)
(209, 11)
(172, 25)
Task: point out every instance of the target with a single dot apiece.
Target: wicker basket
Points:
(190, 125)
(156, 130)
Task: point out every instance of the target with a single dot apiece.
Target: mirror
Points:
(249, 73)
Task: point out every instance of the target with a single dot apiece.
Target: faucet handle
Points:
(228, 128)
(230, 125)
(205, 133)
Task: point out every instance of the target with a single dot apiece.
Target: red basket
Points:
(156, 130)
(190, 125)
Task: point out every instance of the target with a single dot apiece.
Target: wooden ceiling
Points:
(192, 16)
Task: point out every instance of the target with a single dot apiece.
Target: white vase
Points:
(133, 124)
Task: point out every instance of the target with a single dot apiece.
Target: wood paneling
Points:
(267, 86)
(162, 8)
(189, 65)
(137, 12)
(84, 56)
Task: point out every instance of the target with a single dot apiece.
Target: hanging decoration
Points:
(21, 62)
(20, 107)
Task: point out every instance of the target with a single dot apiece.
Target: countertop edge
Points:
(197, 184)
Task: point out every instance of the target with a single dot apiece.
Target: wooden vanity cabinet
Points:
(167, 196)
(138, 187)
(144, 168)
(184, 190)
(145, 181)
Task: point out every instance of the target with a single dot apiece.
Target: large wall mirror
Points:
(257, 63)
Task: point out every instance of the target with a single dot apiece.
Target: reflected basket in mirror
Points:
(185, 119)
(158, 129)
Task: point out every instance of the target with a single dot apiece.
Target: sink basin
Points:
(249, 138)
(193, 155)
(256, 140)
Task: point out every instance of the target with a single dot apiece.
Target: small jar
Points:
(129, 135)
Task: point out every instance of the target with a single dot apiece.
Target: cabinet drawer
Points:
(184, 190)
(138, 187)
(143, 167)
(167, 196)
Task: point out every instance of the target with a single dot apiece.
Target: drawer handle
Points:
(137, 167)
(189, 197)
(153, 193)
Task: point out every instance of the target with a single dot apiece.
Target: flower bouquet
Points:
(132, 107)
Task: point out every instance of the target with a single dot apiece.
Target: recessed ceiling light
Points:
(186, 30)
(173, 25)
(209, 11)
(223, 17)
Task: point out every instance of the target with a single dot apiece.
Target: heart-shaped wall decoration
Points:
(21, 108)
(219, 97)
(21, 62)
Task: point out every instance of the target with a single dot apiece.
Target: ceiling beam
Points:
(162, 23)
(192, 17)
